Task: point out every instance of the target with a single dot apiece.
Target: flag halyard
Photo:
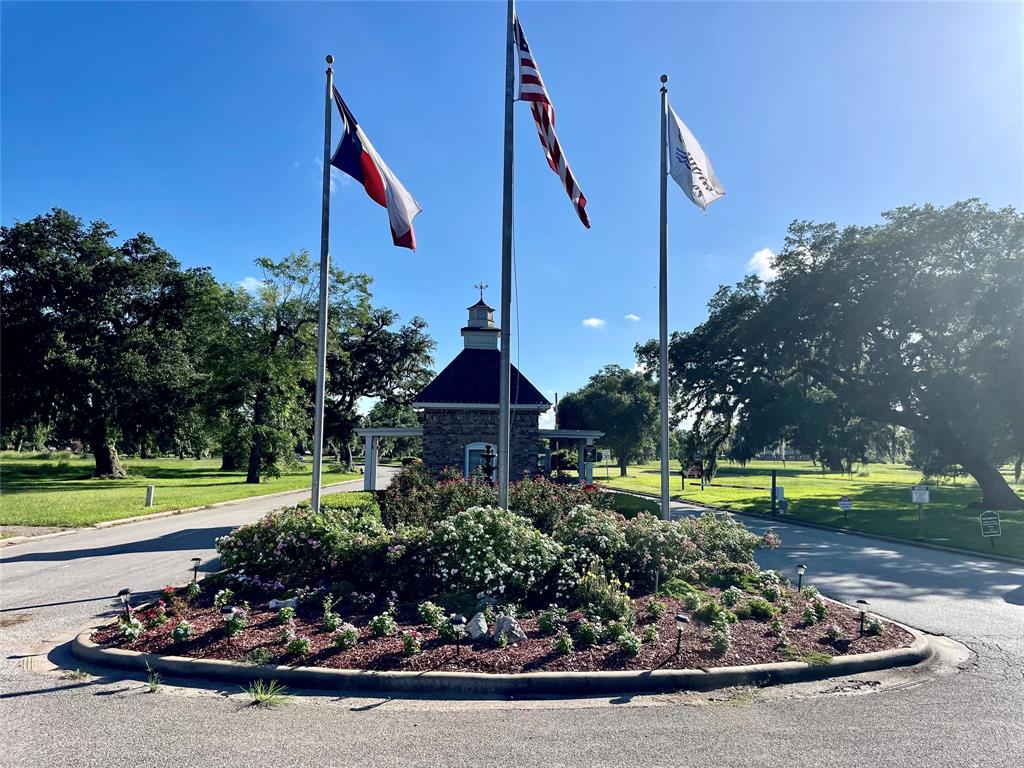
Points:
(356, 156)
(532, 90)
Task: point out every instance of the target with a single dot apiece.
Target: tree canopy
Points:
(622, 404)
(917, 322)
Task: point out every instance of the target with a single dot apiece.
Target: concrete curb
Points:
(529, 683)
(822, 527)
(166, 513)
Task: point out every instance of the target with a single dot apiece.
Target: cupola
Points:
(480, 331)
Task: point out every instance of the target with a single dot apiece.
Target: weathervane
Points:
(481, 286)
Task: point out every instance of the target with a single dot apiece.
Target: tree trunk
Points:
(996, 493)
(259, 417)
(348, 457)
(622, 467)
(108, 464)
(228, 460)
(1017, 468)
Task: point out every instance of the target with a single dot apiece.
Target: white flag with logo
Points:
(689, 166)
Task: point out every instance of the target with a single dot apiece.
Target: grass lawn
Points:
(61, 491)
(881, 500)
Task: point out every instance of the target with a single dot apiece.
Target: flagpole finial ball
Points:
(330, 59)
(664, 78)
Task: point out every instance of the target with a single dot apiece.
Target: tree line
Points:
(114, 346)
(902, 339)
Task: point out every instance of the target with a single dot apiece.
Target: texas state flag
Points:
(356, 156)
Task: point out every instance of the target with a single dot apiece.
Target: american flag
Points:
(531, 89)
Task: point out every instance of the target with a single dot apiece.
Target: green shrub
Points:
(776, 627)
(299, 646)
(588, 633)
(182, 631)
(809, 592)
(284, 615)
(360, 504)
(411, 644)
(834, 633)
(757, 608)
(131, 628)
(656, 609)
(432, 614)
(629, 644)
(345, 637)
(614, 630)
(820, 609)
(677, 588)
(551, 620)
(872, 626)
(383, 625)
(193, 590)
(711, 612)
(601, 597)
(731, 597)
(650, 633)
(599, 532)
(809, 615)
(720, 636)
(258, 657)
(238, 621)
(224, 597)
(493, 551)
(563, 643)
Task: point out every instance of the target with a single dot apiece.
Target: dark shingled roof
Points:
(472, 377)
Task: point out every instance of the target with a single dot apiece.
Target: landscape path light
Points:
(800, 571)
(681, 621)
(125, 595)
(458, 623)
(227, 613)
(863, 613)
(195, 569)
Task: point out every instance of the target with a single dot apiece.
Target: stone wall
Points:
(447, 432)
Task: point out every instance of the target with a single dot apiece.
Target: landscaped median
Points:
(435, 589)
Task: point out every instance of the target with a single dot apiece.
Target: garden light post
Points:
(863, 613)
(488, 456)
(227, 613)
(800, 571)
(681, 621)
(458, 622)
(125, 595)
(195, 569)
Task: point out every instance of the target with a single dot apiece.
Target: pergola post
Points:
(370, 463)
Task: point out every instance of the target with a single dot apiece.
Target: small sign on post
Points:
(845, 504)
(606, 456)
(991, 527)
(589, 454)
(919, 494)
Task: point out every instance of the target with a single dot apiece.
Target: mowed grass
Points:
(880, 495)
(60, 491)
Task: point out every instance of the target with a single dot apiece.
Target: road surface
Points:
(972, 717)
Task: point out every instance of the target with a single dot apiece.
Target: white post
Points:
(590, 466)
(149, 495)
(663, 305)
(370, 464)
(325, 268)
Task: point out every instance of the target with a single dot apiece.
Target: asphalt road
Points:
(940, 716)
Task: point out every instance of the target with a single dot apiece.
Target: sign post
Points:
(606, 455)
(920, 496)
(991, 527)
(845, 504)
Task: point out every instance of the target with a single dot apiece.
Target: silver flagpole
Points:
(325, 268)
(663, 305)
(506, 268)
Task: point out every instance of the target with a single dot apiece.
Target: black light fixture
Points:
(681, 621)
(863, 613)
(458, 623)
(195, 569)
(227, 613)
(125, 595)
(800, 571)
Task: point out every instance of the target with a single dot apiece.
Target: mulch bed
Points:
(751, 642)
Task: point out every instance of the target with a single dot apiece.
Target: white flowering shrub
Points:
(492, 550)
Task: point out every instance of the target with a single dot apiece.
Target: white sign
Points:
(919, 494)
(846, 503)
(780, 493)
(990, 525)
(606, 455)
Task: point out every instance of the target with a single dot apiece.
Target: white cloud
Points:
(251, 284)
(761, 264)
(632, 318)
(593, 322)
(547, 419)
(337, 177)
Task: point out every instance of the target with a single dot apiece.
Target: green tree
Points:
(264, 363)
(622, 404)
(916, 322)
(371, 357)
(392, 413)
(96, 335)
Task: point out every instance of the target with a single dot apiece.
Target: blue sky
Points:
(201, 124)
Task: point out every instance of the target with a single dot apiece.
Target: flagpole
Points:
(663, 304)
(506, 268)
(325, 268)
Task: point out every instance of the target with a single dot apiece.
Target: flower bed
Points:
(572, 583)
(751, 641)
